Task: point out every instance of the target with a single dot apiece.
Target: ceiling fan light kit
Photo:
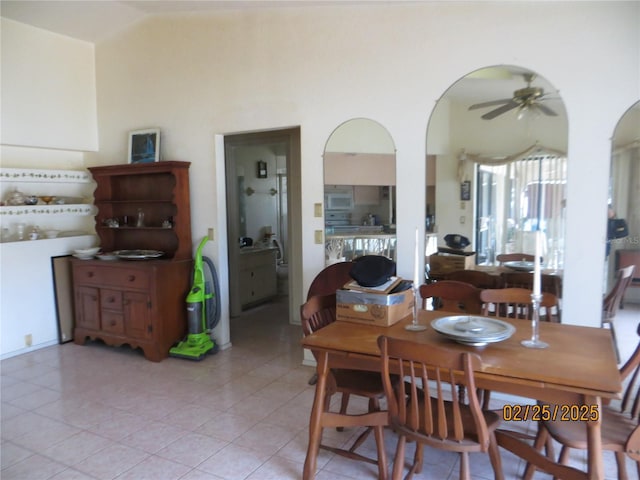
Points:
(528, 100)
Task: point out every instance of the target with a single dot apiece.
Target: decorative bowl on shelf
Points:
(87, 252)
(51, 233)
(30, 200)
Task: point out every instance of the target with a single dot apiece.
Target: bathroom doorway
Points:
(260, 226)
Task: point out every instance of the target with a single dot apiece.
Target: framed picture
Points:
(465, 190)
(144, 146)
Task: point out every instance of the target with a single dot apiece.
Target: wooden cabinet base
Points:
(152, 351)
(137, 303)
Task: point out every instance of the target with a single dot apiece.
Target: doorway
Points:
(263, 218)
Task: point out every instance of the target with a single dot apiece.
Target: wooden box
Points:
(441, 264)
(373, 308)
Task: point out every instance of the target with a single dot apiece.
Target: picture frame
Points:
(144, 146)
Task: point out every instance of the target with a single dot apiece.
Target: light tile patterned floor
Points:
(94, 412)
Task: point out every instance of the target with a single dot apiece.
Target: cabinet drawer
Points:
(112, 322)
(111, 299)
(121, 277)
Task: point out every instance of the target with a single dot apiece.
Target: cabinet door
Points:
(137, 315)
(246, 286)
(88, 308)
(265, 282)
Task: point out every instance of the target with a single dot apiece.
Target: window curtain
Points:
(624, 193)
(530, 189)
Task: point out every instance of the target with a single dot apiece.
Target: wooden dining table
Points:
(577, 369)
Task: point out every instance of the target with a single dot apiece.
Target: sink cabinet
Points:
(258, 279)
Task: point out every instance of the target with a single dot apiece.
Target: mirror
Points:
(359, 191)
(624, 197)
(496, 143)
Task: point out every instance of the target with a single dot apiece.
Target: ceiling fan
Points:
(525, 99)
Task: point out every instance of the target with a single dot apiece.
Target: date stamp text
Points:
(546, 413)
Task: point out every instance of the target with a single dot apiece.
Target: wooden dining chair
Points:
(514, 257)
(318, 312)
(452, 296)
(517, 303)
(548, 283)
(613, 300)
(620, 425)
(330, 279)
(477, 278)
(426, 409)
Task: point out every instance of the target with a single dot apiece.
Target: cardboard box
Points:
(373, 308)
(440, 264)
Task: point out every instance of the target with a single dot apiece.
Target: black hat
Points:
(456, 241)
(372, 270)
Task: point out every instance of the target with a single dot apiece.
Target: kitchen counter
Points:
(256, 249)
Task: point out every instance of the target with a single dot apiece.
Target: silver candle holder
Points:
(534, 341)
(414, 326)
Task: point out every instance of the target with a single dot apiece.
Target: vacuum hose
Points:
(213, 303)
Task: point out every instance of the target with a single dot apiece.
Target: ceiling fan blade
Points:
(490, 104)
(499, 111)
(546, 110)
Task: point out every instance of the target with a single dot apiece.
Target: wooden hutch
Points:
(136, 300)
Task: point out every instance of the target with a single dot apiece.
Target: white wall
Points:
(321, 66)
(48, 117)
(48, 89)
(199, 77)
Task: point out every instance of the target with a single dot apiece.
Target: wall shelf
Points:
(71, 209)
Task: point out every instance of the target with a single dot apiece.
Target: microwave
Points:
(338, 201)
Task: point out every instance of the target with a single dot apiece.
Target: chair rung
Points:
(349, 454)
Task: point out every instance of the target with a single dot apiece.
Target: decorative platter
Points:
(107, 256)
(520, 266)
(138, 254)
(473, 330)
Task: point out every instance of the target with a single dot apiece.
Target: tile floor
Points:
(94, 412)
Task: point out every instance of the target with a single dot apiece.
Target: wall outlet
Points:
(28, 340)
(319, 234)
(210, 235)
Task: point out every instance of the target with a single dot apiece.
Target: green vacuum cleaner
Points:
(203, 310)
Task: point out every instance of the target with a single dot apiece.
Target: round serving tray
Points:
(473, 329)
(520, 266)
(138, 254)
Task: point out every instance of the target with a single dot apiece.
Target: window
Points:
(513, 199)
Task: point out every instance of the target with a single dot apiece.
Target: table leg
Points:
(594, 442)
(315, 425)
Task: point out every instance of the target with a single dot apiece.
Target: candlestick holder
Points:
(534, 341)
(414, 326)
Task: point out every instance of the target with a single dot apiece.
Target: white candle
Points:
(536, 264)
(416, 271)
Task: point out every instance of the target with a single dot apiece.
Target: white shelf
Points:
(71, 188)
(38, 175)
(11, 212)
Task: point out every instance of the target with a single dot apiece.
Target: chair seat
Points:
(492, 420)
(616, 428)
